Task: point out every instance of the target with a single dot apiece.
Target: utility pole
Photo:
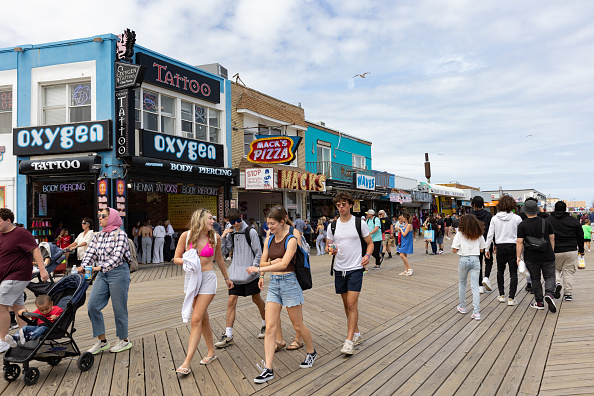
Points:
(427, 168)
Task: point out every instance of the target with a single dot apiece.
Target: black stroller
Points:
(69, 293)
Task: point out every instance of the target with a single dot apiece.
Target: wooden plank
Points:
(119, 380)
(204, 381)
(187, 384)
(152, 374)
(86, 379)
(136, 369)
(105, 374)
(54, 380)
(167, 367)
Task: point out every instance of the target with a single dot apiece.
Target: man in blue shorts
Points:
(348, 262)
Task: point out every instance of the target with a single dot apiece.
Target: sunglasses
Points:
(343, 203)
(103, 215)
(235, 221)
(84, 222)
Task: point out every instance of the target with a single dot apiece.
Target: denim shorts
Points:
(439, 240)
(346, 281)
(285, 290)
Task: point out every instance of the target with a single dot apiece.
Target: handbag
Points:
(537, 244)
(429, 235)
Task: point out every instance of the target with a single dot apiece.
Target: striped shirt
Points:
(108, 250)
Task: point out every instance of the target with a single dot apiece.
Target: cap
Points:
(370, 211)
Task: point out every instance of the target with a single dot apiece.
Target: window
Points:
(5, 110)
(359, 162)
(199, 122)
(249, 136)
(158, 111)
(324, 160)
(67, 103)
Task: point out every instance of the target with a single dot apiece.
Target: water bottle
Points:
(73, 271)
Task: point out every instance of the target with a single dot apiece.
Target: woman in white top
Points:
(81, 243)
(159, 234)
(469, 243)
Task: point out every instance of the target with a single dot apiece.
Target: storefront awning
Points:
(437, 189)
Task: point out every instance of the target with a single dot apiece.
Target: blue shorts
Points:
(439, 240)
(285, 290)
(346, 281)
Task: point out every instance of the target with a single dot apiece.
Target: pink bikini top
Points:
(207, 250)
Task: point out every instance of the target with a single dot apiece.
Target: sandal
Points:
(208, 360)
(280, 345)
(183, 370)
(409, 272)
(295, 345)
(403, 273)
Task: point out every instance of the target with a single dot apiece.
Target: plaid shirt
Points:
(108, 250)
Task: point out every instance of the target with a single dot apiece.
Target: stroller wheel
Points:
(12, 372)
(54, 361)
(85, 361)
(31, 376)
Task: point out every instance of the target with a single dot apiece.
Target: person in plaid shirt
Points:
(109, 254)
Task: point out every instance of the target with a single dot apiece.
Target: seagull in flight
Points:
(361, 75)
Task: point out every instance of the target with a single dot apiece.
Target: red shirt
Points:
(64, 241)
(55, 311)
(16, 263)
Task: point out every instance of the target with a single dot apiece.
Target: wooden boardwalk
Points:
(415, 342)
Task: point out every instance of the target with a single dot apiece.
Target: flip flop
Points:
(409, 272)
(403, 273)
(208, 360)
(295, 345)
(183, 370)
(280, 346)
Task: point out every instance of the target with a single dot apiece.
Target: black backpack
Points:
(361, 239)
(300, 262)
(248, 238)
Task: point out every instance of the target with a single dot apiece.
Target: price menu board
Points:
(5, 100)
(182, 206)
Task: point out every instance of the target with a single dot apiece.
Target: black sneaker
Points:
(224, 341)
(267, 374)
(389, 255)
(262, 332)
(528, 287)
(568, 297)
(558, 288)
(309, 360)
(551, 301)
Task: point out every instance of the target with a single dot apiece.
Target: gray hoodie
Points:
(243, 255)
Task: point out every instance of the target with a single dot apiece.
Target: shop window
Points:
(5, 111)
(67, 103)
(199, 122)
(359, 162)
(324, 159)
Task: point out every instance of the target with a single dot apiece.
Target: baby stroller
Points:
(69, 293)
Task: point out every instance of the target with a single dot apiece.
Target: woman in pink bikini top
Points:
(207, 242)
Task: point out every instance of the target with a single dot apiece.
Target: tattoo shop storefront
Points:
(60, 179)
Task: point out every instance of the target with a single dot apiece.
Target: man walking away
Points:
(244, 241)
(440, 233)
(299, 224)
(569, 238)
(534, 230)
(478, 205)
(348, 264)
(448, 226)
(375, 229)
(387, 232)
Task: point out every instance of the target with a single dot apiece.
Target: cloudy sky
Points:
(499, 93)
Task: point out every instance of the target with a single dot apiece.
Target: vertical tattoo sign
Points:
(124, 123)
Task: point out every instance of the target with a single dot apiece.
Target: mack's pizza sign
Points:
(273, 149)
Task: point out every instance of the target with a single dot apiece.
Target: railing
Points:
(335, 171)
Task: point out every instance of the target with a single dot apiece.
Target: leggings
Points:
(147, 243)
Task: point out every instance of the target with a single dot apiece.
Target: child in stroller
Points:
(45, 307)
(57, 343)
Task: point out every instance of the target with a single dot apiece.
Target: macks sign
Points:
(273, 149)
(301, 181)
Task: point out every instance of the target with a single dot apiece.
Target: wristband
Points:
(226, 279)
(262, 277)
(368, 256)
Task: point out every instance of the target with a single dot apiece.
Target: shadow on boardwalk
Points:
(415, 342)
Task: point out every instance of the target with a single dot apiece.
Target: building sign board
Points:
(168, 188)
(273, 149)
(176, 148)
(364, 182)
(124, 123)
(151, 164)
(175, 78)
(63, 138)
(128, 75)
(103, 194)
(259, 179)
(59, 165)
(304, 181)
(121, 204)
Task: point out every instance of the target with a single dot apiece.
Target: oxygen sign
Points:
(272, 150)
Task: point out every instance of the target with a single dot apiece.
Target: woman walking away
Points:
(469, 243)
(504, 230)
(320, 239)
(109, 253)
(284, 290)
(406, 244)
(200, 284)
(433, 226)
(146, 232)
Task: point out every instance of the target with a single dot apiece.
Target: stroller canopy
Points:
(72, 285)
(54, 253)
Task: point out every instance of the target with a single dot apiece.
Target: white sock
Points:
(358, 334)
(229, 331)
(263, 322)
(349, 342)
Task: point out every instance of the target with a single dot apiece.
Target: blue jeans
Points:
(32, 332)
(112, 284)
(469, 264)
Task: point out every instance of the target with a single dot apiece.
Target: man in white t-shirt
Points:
(348, 262)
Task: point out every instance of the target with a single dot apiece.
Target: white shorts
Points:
(208, 284)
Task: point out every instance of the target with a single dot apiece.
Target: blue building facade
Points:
(153, 147)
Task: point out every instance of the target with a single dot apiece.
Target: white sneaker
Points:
(481, 290)
(10, 341)
(501, 299)
(347, 348)
(120, 346)
(99, 347)
(511, 302)
(487, 284)
(357, 339)
(5, 347)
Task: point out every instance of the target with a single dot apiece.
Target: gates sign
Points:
(273, 149)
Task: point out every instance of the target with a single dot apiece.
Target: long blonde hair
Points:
(197, 225)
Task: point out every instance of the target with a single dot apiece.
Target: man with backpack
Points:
(351, 245)
(247, 251)
(375, 229)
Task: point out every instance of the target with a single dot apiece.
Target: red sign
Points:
(271, 150)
